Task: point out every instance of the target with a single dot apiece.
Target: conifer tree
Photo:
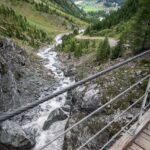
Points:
(103, 52)
(78, 51)
(141, 29)
(72, 45)
(118, 49)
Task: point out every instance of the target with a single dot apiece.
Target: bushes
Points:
(77, 47)
(103, 51)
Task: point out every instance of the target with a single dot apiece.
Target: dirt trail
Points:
(113, 42)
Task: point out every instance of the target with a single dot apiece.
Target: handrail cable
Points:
(147, 106)
(38, 102)
(97, 110)
(123, 129)
(99, 132)
(119, 132)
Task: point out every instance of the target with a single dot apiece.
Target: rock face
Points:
(56, 115)
(9, 94)
(13, 137)
(22, 78)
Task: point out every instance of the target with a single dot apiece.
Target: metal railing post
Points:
(142, 110)
(144, 103)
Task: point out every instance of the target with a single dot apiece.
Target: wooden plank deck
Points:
(140, 140)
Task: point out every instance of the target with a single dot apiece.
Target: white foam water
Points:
(53, 64)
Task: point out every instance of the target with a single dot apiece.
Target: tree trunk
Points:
(145, 35)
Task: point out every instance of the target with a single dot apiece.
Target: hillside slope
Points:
(123, 15)
(69, 7)
(43, 15)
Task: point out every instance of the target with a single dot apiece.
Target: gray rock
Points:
(13, 137)
(69, 71)
(130, 116)
(56, 115)
(32, 133)
(66, 108)
(87, 99)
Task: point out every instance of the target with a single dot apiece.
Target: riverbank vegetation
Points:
(70, 44)
(102, 48)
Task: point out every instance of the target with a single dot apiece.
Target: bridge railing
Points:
(117, 66)
(115, 99)
(139, 116)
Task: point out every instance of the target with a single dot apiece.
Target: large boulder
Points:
(86, 98)
(56, 115)
(13, 137)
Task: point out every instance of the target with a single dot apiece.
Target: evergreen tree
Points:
(78, 51)
(103, 52)
(72, 45)
(117, 51)
(127, 11)
(141, 29)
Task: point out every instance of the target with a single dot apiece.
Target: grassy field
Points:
(92, 6)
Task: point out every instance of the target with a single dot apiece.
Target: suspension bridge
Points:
(136, 132)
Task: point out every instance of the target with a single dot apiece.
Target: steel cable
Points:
(94, 112)
(38, 102)
(99, 132)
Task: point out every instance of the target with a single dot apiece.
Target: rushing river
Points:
(52, 63)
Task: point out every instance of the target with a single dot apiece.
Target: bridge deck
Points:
(142, 141)
(138, 140)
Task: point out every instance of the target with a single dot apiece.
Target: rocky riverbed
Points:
(25, 78)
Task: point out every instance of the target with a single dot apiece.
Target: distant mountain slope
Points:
(124, 14)
(120, 2)
(131, 24)
(69, 7)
